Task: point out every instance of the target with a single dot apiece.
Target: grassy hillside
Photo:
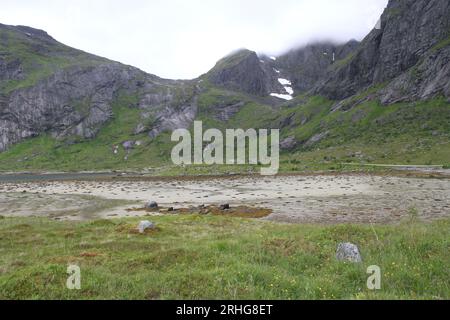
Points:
(76, 154)
(40, 57)
(213, 257)
(403, 133)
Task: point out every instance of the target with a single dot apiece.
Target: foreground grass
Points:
(211, 257)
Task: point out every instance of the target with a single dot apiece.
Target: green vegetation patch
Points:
(213, 257)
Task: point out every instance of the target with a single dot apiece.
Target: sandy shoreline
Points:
(297, 199)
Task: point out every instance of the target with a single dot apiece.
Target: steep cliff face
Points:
(410, 29)
(72, 101)
(241, 71)
(307, 65)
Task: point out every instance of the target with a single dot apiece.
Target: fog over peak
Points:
(182, 39)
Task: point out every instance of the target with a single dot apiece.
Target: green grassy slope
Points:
(406, 133)
(39, 58)
(76, 154)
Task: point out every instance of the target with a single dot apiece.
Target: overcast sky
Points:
(184, 38)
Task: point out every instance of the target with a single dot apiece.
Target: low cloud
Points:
(183, 39)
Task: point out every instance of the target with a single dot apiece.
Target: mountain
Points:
(384, 99)
(47, 87)
(409, 54)
(307, 65)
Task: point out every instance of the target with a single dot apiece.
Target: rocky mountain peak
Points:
(241, 71)
(409, 30)
(306, 65)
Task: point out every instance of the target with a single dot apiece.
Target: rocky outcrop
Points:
(409, 31)
(10, 70)
(241, 71)
(76, 101)
(429, 78)
(169, 119)
(288, 144)
(227, 110)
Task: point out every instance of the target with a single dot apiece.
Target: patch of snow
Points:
(284, 82)
(282, 96)
(262, 61)
(273, 58)
(289, 90)
(287, 86)
(277, 71)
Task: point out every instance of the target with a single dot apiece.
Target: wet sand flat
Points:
(295, 199)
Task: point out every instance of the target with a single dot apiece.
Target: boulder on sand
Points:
(152, 205)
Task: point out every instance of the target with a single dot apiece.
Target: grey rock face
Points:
(76, 101)
(140, 128)
(10, 70)
(169, 119)
(429, 78)
(227, 111)
(241, 71)
(307, 65)
(128, 145)
(288, 144)
(348, 252)
(409, 30)
(167, 108)
(316, 138)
